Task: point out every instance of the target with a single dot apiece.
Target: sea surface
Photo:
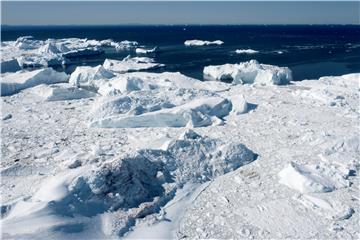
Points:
(310, 51)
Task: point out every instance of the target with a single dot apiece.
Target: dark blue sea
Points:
(309, 51)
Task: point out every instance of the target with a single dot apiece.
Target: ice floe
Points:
(145, 51)
(246, 51)
(12, 83)
(130, 64)
(87, 77)
(249, 72)
(202, 43)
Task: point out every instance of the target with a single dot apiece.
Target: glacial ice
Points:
(248, 73)
(12, 83)
(202, 43)
(145, 51)
(129, 64)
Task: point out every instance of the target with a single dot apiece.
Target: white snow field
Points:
(103, 154)
(196, 42)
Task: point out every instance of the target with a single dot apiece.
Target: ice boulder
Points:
(245, 51)
(312, 178)
(129, 65)
(12, 83)
(54, 48)
(196, 113)
(249, 72)
(87, 77)
(10, 65)
(202, 43)
(239, 104)
(60, 92)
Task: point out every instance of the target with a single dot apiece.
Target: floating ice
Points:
(145, 51)
(249, 72)
(129, 64)
(245, 51)
(202, 43)
(12, 83)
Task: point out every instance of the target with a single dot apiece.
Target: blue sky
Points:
(171, 12)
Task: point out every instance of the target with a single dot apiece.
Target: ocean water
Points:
(309, 51)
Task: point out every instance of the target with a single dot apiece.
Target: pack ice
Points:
(249, 72)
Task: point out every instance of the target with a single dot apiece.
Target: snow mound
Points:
(129, 64)
(246, 51)
(249, 72)
(170, 81)
(202, 43)
(114, 193)
(12, 83)
(61, 92)
(88, 76)
(145, 51)
(312, 178)
(196, 113)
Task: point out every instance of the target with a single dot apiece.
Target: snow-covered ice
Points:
(249, 72)
(202, 43)
(12, 83)
(113, 154)
(145, 50)
(129, 64)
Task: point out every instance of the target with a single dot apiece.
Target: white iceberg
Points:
(88, 76)
(246, 51)
(145, 51)
(12, 83)
(129, 64)
(249, 72)
(61, 92)
(202, 43)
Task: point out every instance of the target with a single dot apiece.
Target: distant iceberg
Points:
(249, 72)
(145, 51)
(246, 51)
(202, 43)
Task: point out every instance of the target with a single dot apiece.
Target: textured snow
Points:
(202, 43)
(12, 83)
(245, 51)
(249, 72)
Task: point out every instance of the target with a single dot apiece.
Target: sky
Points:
(171, 12)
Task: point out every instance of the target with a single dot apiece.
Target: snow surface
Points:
(202, 43)
(180, 158)
(249, 72)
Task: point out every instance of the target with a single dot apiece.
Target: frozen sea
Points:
(309, 51)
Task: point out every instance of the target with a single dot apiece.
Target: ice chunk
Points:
(197, 113)
(239, 104)
(202, 43)
(249, 72)
(129, 64)
(54, 48)
(87, 76)
(245, 51)
(10, 65)
(312, 178)
(137, 81)
(60, 92)
(12, 83)
(145, 51)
